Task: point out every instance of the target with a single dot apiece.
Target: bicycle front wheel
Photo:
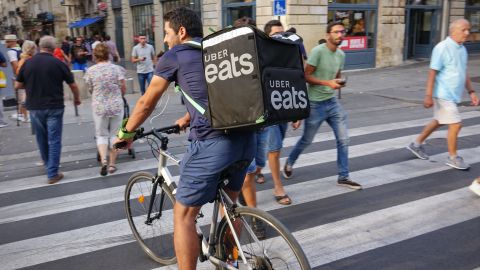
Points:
(276, 248)
(154, 230)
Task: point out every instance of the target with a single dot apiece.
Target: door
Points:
(117, 13)
(421, 32)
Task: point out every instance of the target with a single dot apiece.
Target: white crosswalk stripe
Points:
(322, 242)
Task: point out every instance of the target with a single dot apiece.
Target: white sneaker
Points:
(475, 187)
(3, 124)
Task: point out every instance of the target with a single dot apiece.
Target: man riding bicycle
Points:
(210, 151)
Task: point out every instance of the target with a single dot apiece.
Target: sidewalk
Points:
(365, 90)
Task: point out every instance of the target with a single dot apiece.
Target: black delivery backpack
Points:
(253, 80)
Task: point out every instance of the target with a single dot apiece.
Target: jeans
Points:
(48, 125)
(144, 80)
(331, 111)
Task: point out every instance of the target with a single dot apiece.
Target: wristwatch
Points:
(123, 133)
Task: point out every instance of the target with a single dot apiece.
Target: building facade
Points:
(380, 33)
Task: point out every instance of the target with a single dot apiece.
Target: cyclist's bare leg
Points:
(249, 190)
(185, 235)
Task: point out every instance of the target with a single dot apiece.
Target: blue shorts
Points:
(204, 161)
(260, 159)
(276, 136)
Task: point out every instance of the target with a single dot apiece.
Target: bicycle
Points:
(149, 201)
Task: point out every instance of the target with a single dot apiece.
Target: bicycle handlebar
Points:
(139, 133)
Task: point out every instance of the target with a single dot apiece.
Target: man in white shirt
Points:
(143, 55)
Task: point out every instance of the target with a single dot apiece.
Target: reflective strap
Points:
(261, 119)
(197, 106)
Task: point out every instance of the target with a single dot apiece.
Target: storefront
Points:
(472, 14)
(143, 20)
(235, 9)
(360, 20)
(422, 29)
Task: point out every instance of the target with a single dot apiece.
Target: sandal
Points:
(103, 170)
(112, 169)
(283, 200)
(260, 178)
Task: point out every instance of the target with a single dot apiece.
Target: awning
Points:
(85, 22)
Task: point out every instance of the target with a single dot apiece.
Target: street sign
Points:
(279, 7)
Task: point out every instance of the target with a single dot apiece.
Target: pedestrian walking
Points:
(13, 54)
(3, 84)
(42, 77)
(248, 195)
(78, 55)
(113, 56)
(106, 82)
(143, 55)
(13, 51)
(29, 49)
(323, 73)
(276, 134)
(447, 79)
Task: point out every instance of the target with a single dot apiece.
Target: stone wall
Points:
(127, 29)
(457, 9)
(390, 33)
(211, 16)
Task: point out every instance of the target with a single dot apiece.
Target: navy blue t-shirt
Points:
(183, 64)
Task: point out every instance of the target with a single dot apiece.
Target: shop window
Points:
(143, 22)
(360, 27)
(423, 2)
(195, 5)
(235, 9)
(472, 14)
(474, 3)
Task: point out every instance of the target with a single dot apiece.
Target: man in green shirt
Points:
(323, 74)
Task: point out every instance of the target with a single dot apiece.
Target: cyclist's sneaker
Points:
(3, 124)
(457, 163)
(346, 182)
(418, 151)
(287, 171)
(258, 229)
(475, 186)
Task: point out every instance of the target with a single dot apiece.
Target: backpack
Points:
(18, 52)
(252, 80)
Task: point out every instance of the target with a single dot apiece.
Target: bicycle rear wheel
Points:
(277, 250)
(155, 235)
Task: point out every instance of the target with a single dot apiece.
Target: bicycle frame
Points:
(207, 248)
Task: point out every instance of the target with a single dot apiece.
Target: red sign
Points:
(102, 6)
(354, 43)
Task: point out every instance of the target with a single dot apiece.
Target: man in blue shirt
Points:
(447, 79)
(210, 151)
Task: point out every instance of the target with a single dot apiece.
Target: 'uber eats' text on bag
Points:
(253, 80)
